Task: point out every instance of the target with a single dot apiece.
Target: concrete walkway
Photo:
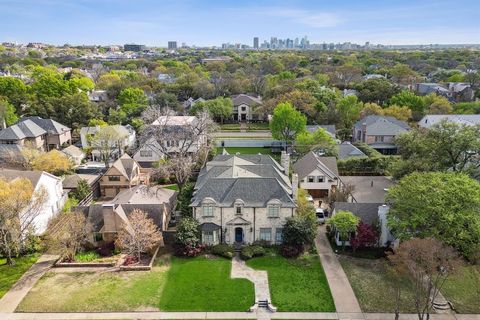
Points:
(15, 295)
(258, 277)
(342, 292)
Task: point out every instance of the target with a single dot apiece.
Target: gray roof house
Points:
(330, 128)
(107, 219)
(347, 150)
(245, 108)
(462, 119)
(240, 199)
(58, 135)
(25, 132)
(379, 132)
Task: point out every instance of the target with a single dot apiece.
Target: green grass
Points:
(10, 274)
(374, 287)
(172, 187)
(296, 284)
(463, 289)
(196, 284)
(87, 256)
(203, 284)
(234, 150)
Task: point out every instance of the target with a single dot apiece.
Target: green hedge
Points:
(365, 148)
(374, 165)
(223, 250)
(249, 252)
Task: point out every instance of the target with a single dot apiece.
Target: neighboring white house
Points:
(374, 214)
(245, 108)
(75, 154)
(126, 132)
(239, 199)
(318, 175)
(462, 119)
(56, 197)
(151, 151)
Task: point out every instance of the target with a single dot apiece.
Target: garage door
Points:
(110, 192)
(318, 193)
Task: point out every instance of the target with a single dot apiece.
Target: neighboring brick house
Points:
(318, 175)
(379, 132)
(239, 199)
(123, 174)
(246, 108)
(58, 135)
(107, 219)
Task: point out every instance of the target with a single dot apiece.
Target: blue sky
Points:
(212, 22)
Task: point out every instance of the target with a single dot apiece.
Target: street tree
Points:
(428, 263)
(287, 123)
(443, 205)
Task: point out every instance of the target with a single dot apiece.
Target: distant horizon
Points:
(210, 23)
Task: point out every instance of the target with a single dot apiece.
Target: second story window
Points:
(311, 179)
(273, 211)
(145, 153)
(320, 179)
(208, 210)
(113, 178)
(238, 210)
(378, 138)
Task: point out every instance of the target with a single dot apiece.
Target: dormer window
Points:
(273, 210)
(238, 210)
(208, 210)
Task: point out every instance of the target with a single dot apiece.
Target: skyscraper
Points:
(172, 45)
(255, 43)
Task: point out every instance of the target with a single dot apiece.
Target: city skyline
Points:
(212, 23)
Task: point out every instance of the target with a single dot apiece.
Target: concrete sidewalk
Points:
(342, 292)
(15, 295)
(225, 315)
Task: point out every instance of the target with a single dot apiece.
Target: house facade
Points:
(25, 133)
(379, 132)
(317, 175)
(55, 195)
(127, 140)
(123, 174)
(246, 108)
(58, 135)
(240, 199)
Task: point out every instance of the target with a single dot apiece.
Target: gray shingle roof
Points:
(348, 150)
(465, 119)
(49, 125)
(255, 179)
(367, 212)
(382, 126)
(22, 130)
(330, 128)
(308, 163)
(33, 176)
(245, 99)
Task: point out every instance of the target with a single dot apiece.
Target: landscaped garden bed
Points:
(102, 257)
(296, 285)
(144, 264)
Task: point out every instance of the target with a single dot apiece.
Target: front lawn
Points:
(463, 289)
(204, 284)
(296, 284)
(374, 287)
(10, 274)
(245, 150)
(197, 284)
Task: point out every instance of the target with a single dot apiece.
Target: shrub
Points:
(223, 250)
(184, 198)
(130, 260)
(189, 251)
(291, 251)
(300, 231)
(87, 256)
(249, 252)
(106, 249)
(366, 236)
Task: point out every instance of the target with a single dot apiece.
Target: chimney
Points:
(285, 162)
(294, 186)
(109, 223)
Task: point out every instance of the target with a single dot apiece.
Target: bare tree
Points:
(66, 234)
(342, 194)
(107, 140)
(428, 262)
(183, 143)
(20, 205)
(139, 235)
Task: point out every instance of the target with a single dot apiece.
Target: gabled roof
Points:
(382, 125)
(125, 165)
(367, 212)
(466, 119)
(22, 130)
(330, 128)
(143, 194)
(255, 179)
(73, 151)
(49, 125)
(311, 162)
(121, 130)
(347, 150)
(33, 176)
(246, 99)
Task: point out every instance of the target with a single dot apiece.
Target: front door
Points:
(238, 235)
(244, 117)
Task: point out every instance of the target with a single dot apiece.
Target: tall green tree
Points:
(319, 139)
(345, 223)
(442, 205)
(287, 123)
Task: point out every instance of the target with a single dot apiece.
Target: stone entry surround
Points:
(259, 279)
